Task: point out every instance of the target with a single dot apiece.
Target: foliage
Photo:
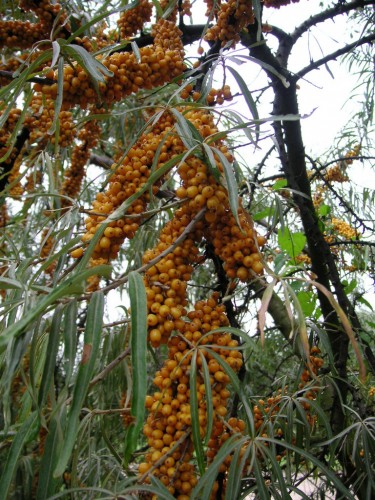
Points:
(185, 293)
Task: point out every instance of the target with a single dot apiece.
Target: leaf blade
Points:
(138, 304)
(90, 352)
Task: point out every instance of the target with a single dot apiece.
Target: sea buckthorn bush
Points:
(184, 292)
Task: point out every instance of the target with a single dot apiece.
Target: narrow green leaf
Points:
(59, 96)
(50, 362)
(261, 485)
(136, 52)
(71, 286)
(183, 129)
(138, 305)
(197, 440)
(264, 214)
(92, 66)
(365, 302)
(55, 52)
(17, 129)
(211, 161)
(231, 182)
(9, 284)
(267, 67)
(235, 473)
(236, 386)
(158, 8)
(242, 125)
(248, 98)
(316, 462)
(27, 429)
(206, 482)
(70, 339)
(234, 477)
(239, 333)
(169, 9)
(92, 338)
(47, 484)
(99, 17)
(209, 404)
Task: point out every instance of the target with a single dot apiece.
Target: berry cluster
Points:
(33, 180)
(170, 445)
(132, 20)
(7, 129)
(40, 119)
(238, 247)
(233, 16)
(215, 96)
(13, 63)
(186, 8)
(166, 281)
(344, 229)
(128, 177)
(48, 244)
(23, 34)
(335, 174)
(88, 135)
(165, 5)
(160, 63)
(14, 179)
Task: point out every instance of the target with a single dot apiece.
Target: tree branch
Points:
(333, 56)
(34, 79)
(338, 9)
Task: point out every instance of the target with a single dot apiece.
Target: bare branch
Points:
(338, 9)
(333, 56)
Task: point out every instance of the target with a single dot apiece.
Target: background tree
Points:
(241, 359)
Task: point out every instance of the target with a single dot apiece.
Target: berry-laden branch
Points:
(343, 202)
(205, 215)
